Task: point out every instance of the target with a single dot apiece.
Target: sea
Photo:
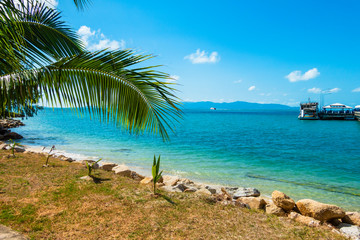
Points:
(268, 150)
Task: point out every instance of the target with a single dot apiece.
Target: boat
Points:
(212, 108)
(309, 111)
(357, 112)
(337, 111)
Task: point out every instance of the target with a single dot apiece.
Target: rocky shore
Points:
(5, 132)
(305, 211)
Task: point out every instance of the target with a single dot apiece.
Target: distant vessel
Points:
(309, 111)
(337, 111)
(357, 112)
(212, 108)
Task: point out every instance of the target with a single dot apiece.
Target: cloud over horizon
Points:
(318, 90)
(297, 75)
(203, 57)
(356, 89)
(95, 40)
(252, 88)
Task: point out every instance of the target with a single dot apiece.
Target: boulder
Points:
(122, 170)
(253, 202)
(203, 191)
(185, 181)
(190, 189)
(3, 146)
(309, 221)
(67, 159)
(282, 200)
(271, 208)
(108, 166)
(246, 192)
(320, 211)
(146, 180)
(352, 218)
(136, 176)
(350, 231)
(12, 135)
(170, 180)
(170, 189)
(181, 187)
(213, 190)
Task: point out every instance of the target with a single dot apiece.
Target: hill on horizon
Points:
(238, 105)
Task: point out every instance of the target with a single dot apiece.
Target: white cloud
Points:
(296, 76)
(318, 90)
(48, 3)
(356, 90)
(334, 90)
(203, 57)
(173, 78)
(238, 81)
(95, 40)
(252, 88)
(314, 90)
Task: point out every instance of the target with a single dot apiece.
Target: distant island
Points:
(239, 105)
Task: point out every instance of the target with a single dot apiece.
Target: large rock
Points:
(246, 192)
(108, 166)
(203, 191)
(136, 176)
(122, 170)
(253, 202)
(170, 180)
(319, 211)
(352, 218)
(309, 221)
(271, 208)
(350, 231)
(12, 135)
(282, 200)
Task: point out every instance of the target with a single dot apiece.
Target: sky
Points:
(223, 51)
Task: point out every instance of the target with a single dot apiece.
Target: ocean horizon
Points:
(267, 150)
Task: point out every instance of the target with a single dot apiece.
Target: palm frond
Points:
(81, 4)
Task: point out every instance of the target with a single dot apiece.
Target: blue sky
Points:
(257, 51)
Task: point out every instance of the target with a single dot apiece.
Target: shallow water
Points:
(267, 150)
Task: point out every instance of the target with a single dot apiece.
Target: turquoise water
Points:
(266, 150)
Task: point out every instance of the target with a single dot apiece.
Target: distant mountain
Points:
(235, 106)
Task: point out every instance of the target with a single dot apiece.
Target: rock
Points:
(350, 231)
(86, 178)
(67, 159)
(3, 146)
(19, 149)
(146, 180)
(212, 190)
(122, 170)
(203, 191)
(136, 176)
(335, 222)
(170, 180)
(181, 187)
(352, 218)
(242, 205)
(319, 211)
(108, 166)
(185, 181)
(253, 202)
(8, 234)
(170, 189)
(246, 192)
(271, 208)
(282, 200)
(309, 221)
(12, 135)
(190, 189)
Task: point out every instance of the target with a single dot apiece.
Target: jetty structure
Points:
(337, 111)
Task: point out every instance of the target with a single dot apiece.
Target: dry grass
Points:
(52, 203)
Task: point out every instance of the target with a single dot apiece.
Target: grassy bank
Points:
(52, 203)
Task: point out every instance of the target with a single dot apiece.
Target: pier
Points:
(336, 111)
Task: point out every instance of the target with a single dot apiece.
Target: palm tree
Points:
(42, 58)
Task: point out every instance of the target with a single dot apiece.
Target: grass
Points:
(53, 203)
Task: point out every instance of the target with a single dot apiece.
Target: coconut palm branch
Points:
(106, 84)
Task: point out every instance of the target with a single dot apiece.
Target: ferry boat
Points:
(212, 108)
(357, 112)
(309, 111)
(337, 111)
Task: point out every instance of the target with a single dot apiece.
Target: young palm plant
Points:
(90, 166)
(13, 146)
(42, 58)
(155, 172)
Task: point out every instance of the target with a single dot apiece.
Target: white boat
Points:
(357, 112)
